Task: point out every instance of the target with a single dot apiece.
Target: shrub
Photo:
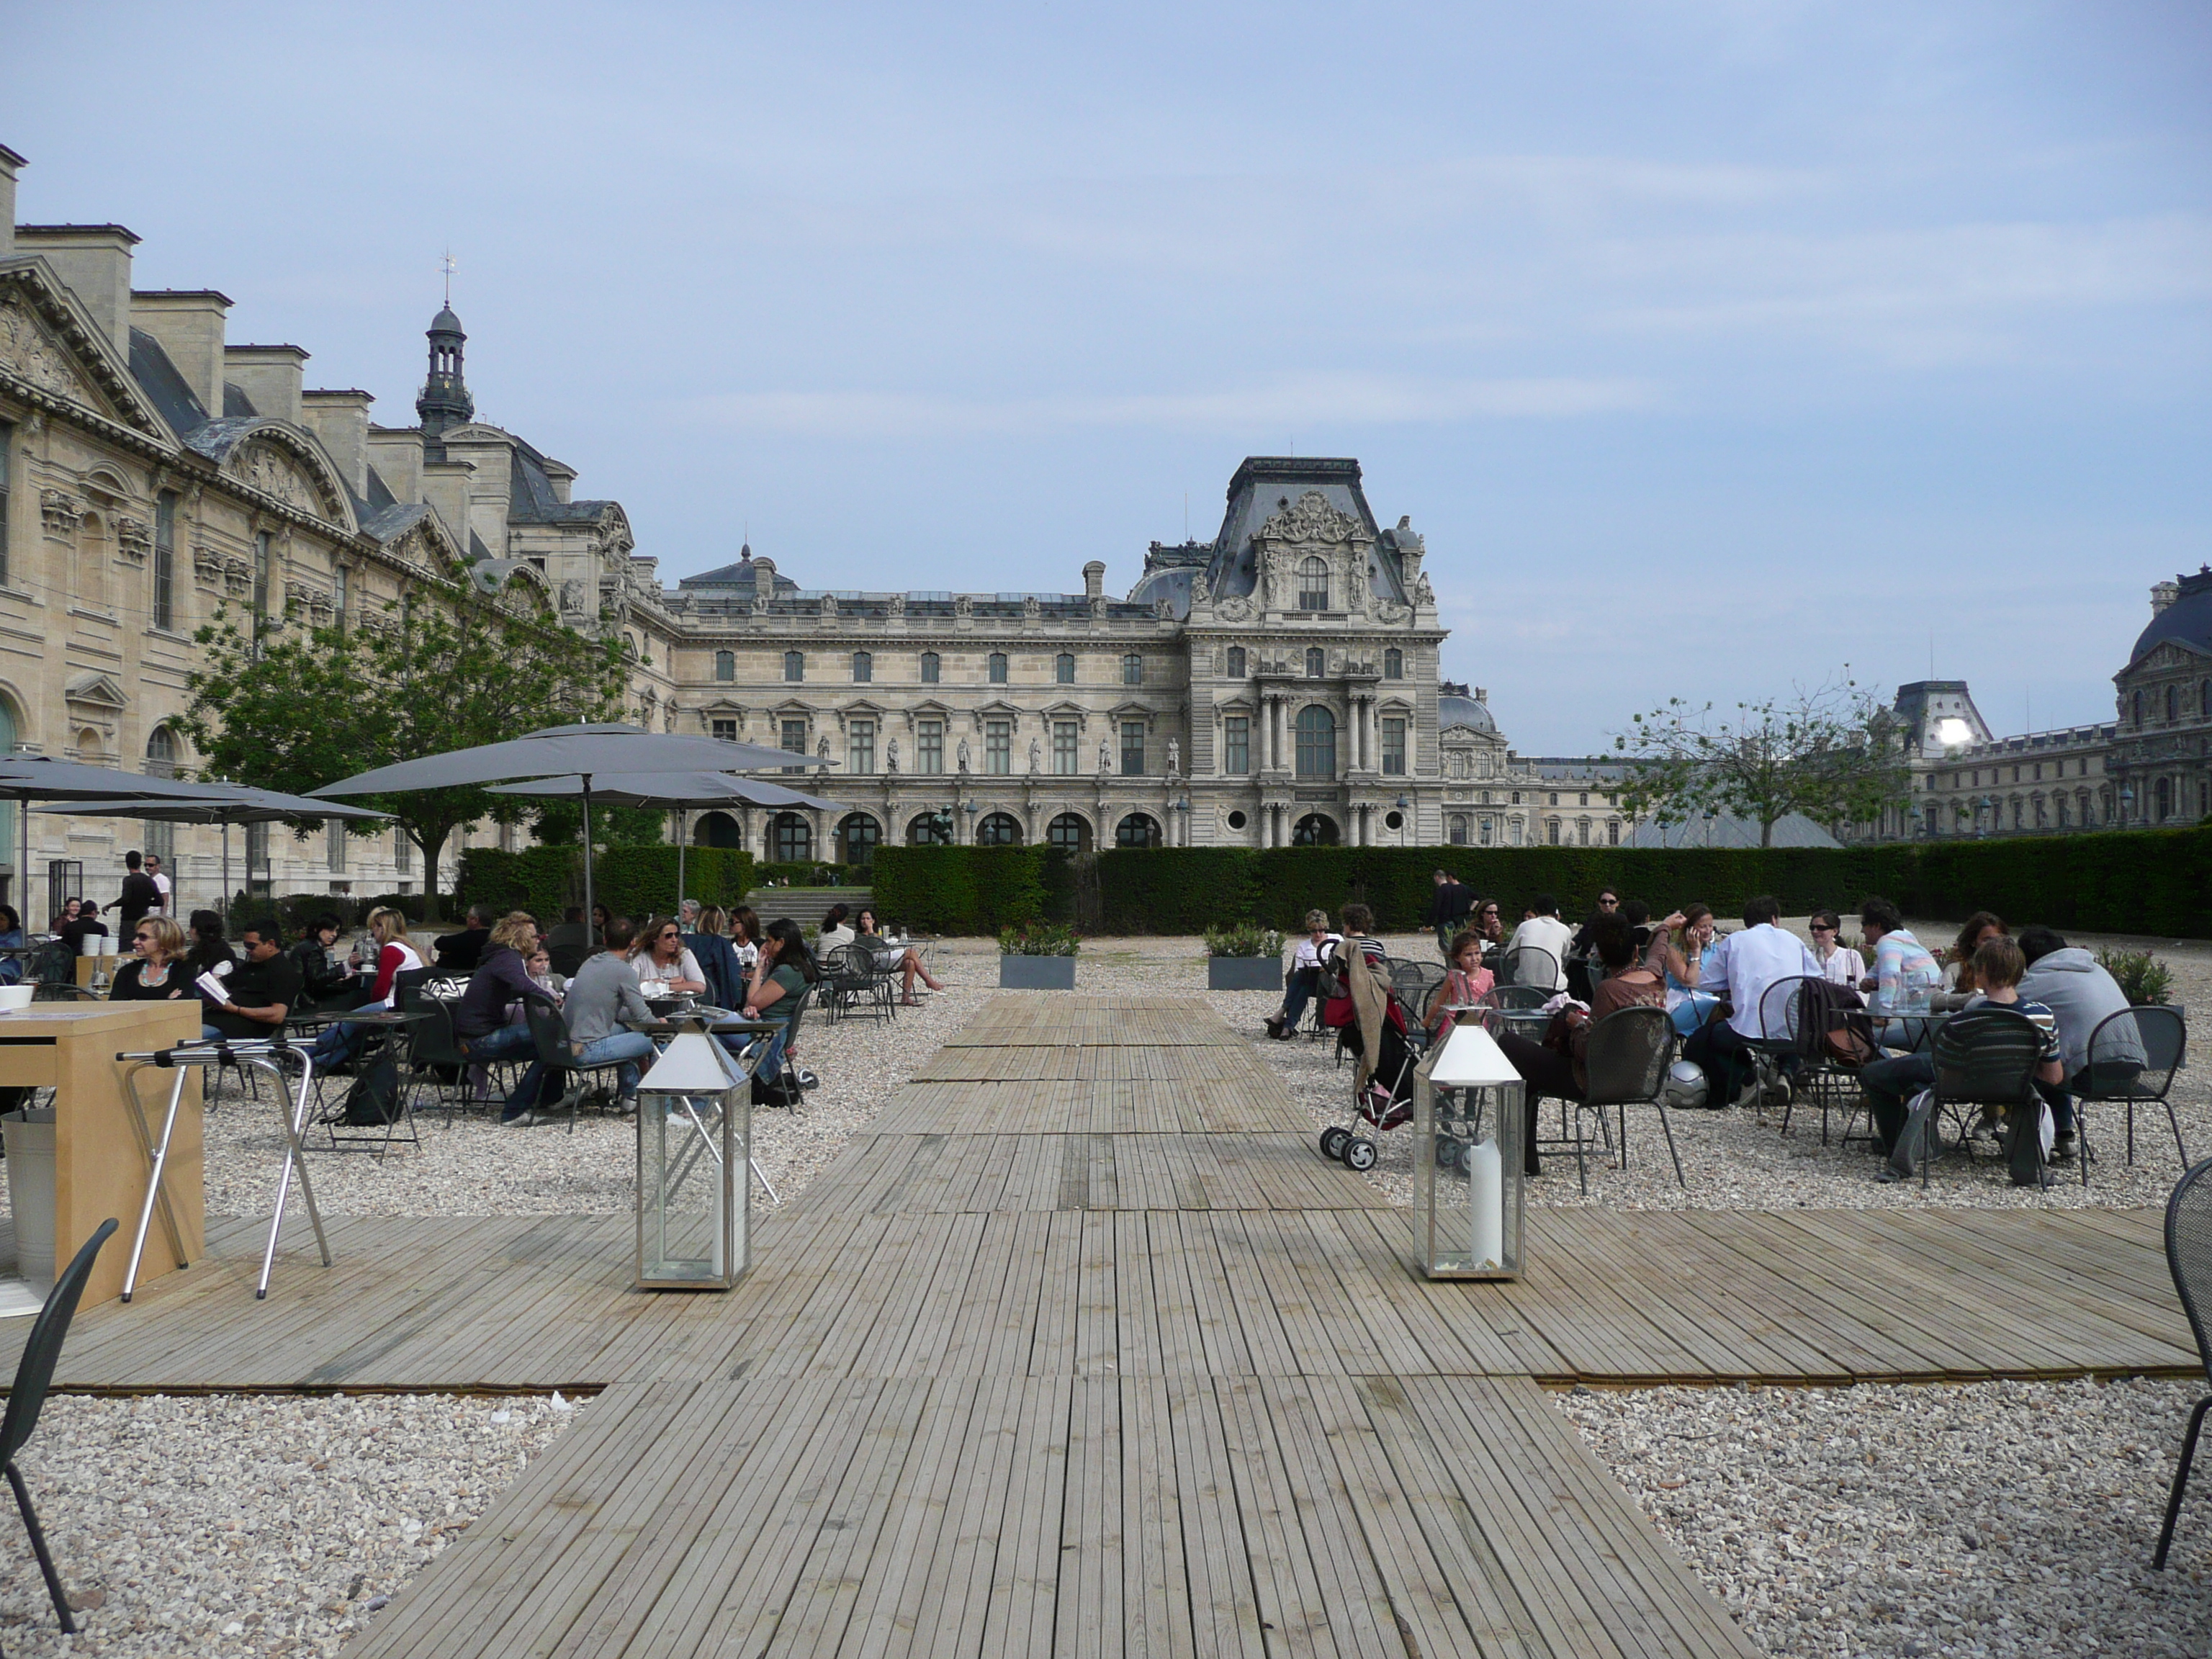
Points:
(1244, 939)
(971, 890)
(631, 881)
(1038, 938)
(2141, 976)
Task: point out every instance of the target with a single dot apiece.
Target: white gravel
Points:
(250, 1524)
(2000, 1519)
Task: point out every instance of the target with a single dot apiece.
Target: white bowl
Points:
(15, 997)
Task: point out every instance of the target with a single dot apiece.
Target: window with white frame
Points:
(929, 746)
(997, 747)
(861, 746)
(1313, 583)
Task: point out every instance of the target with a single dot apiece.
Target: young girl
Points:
(1682, 949)
(1466, 984)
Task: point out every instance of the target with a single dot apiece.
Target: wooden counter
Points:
(99, 1169)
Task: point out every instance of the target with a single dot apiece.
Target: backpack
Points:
(373, 1100)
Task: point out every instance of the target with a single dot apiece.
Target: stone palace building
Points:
(1278, 684)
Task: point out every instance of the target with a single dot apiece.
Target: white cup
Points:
(13, 998)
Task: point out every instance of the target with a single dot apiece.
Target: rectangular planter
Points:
(1244, 974)
(1036, 973)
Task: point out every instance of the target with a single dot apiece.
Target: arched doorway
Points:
(857, 838)
(1314, 829)
(718, 830)
(790, 839)
(999, 829)
(930, 830)
(1316, 735)
(1069, 832)
(1138, 829)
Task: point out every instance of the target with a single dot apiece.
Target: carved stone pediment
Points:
(30, 353)
(94, 690)
(1312, 521)
(265, 467)
(134, 540)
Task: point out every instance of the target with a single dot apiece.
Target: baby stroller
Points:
(1385, 1101)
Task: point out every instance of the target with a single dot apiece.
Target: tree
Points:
(1832, 753)
(286, 708)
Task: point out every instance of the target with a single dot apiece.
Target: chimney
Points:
(2163, 594)
(269, 375)
(1482, 696)
(764, 576)
(9, 164)
(188, 323)
(340, 419)
(1094, 579)
(446, 487)
(94, 260)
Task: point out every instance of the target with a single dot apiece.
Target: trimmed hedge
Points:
(630, 881)
(971, 889)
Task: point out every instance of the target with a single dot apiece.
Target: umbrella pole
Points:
(223, 908)
(681, 815)
(587, 850)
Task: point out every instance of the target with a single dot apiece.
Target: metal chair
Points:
(855, 987)
(34, 1371)
(2132, 1058)
(548, 1036)
(782, 1089)
(1988, 1056)
(393, 1044)
(2189, 1259)
(434, 1049)
(1527, 964)
(51, 972)
(1625, 1064)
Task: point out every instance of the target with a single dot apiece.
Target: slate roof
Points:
(236, 402)
(1260, 487)
(2187, 621)
(1461, 710)
(164, 386)
(530, 498)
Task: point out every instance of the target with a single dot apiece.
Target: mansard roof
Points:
(531, 497)
(1266, 486)
(2187, 622)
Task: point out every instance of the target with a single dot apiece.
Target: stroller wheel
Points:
(1360, 1153)
(1334, 1142)
(1447, 1151)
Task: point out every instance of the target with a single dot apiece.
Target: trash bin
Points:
(30, 1138)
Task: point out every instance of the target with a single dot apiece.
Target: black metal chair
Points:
(854, 985)
(1988, 1056)
(2189, 1259)
(34, 1371)
(565, 1083)
(434, 1057)
(1625, 1064)
(2132, 1057)
(1529, 965)
(51, 972)
(783, 1088)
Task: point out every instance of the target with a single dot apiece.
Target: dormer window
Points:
(1236, 662)
(1313, 583)
(1393, 663)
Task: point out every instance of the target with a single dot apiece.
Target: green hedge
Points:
(630, 881)
(970, 889)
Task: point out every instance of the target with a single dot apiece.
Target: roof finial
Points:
(448, 267)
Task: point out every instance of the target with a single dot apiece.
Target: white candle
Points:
(1486, 1200)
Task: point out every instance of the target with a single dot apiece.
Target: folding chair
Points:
(2189, 1259)
(1625, 1064)
(1987, 1056)
(549, 1035)
(782, 1089)
(2133, 1056)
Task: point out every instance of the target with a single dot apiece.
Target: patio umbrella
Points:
(235, 802)
(681, 790)
(26, 778)
(580, 752)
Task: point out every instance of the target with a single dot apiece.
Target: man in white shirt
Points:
(1744, 965)
(161, 881)
(1543, 931)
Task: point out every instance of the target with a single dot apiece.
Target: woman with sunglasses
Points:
(154, 973)
(665, 966)
(1839, 964)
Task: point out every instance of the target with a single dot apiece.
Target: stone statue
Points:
(1175, 758)
(822, 747)
(890, 756)
(1105, 758)
(1037, 754)
(1423, 594)
(963, 754)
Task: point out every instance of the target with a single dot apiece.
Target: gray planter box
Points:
(1244, 974)
(1036, 973)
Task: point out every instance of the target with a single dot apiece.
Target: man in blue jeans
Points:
(480, 1018)
(604, 993)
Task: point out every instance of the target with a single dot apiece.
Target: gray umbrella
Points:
(234, 803)
(679, 790)
(26, 778)
(582, 752)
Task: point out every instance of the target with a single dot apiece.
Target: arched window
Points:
(1316, 742)
(794, 665)
(1137, 830)
(864, 667)
(1393, 663)
(2172, 704)
(857, 837)
(718, 830)
(1316, 662)
(1236, 662)
(1063, 668)
(790, 839)
(1456, 830)
(1132, 670)
(930, 667)
(1314, 829)
(930, 830)
(999, 829)
(725, 665)
(998, 668)
(1313, 583)
(1069, 832)
(161, 753)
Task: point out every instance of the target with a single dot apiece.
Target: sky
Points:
(1718, 349)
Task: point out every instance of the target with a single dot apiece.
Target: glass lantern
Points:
(1468, 1190)
(694, 1131)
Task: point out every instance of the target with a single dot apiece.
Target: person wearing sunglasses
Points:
(665, 966)
(154, 973)
(1840, 964)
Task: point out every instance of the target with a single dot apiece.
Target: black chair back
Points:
(1788, 1022)
(2189, 1251)
(1520, 996)
(549, 1035)
(1987, 1056)
(2134, 1053)
(42, 1349)
(1528, 965)
(1627, 1058)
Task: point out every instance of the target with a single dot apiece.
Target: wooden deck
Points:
(1083, 1348)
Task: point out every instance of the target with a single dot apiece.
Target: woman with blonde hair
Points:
(665, 965)
(156, 975)
(481, 1018)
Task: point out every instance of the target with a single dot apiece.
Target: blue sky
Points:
(1712, 346)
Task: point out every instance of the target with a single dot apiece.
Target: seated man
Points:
(459, 953)
(601, 996)
(1889, 1083)
(1744, 965)
(571, 941)
(1550, 1070)
(1905, 977)
(259, 992)
(1305, 973)
(1544, 931)
(2080, 995)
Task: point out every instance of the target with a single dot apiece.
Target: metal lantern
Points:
(1468, 1190)
(694, 1131)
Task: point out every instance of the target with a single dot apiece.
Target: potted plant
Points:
(1245, 957)
(2145, 980)
(1037, 956)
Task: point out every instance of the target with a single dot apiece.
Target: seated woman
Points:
(80, 922)
(11, 932)
(904, 959)
(1468, 984)
(1554, 1067)
(154, 973)
(1305, 974)
(1981, 927)
(390, 953)
(1681, 950)
(664, 966)
(207, 946)
(780, 981)
(1839, 964)
(834, 931)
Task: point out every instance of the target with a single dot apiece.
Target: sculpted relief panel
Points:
(28, 351)
(268, 470)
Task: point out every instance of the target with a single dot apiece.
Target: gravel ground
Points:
(251, 1524)
(1831, 1523)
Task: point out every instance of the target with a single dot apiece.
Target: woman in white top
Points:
(745, 936)
(897, 958)
(1305, 973)
(664, 968)
(392, 953)
(836, 931)
(1839, 964)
